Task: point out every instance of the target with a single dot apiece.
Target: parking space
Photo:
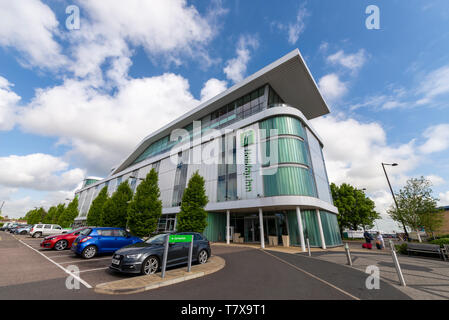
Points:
(91, 272)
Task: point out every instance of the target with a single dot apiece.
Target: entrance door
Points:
(252, 231)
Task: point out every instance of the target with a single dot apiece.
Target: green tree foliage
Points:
(192, 216)
(66, 219)
(145, 209)
(35, 216)
(354, 207)
(416, 206)
(115, 209)
(59, 211)
(96, 209)
(50, 215)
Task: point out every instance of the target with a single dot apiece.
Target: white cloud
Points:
(295, 29)
(434, 84)
(102, 129)
(29, 27)
(435, 180)
(437, 139)
(332, 87)
(8, 105)
(38, 172)
(444, 198)
(212, 88)
(353, 62)
(236, 68)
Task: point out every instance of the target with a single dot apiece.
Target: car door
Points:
(46, 230)
(121, 239)
(56, 229)
(106, 240)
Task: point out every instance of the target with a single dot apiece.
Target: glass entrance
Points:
(252, 232)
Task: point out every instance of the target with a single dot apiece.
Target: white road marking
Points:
(313, 276)
(57, 264)
(94, 269)
(84, 260)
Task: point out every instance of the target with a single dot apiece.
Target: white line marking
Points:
(85, 260)
(61, 267)
(94, 269)
(313, 276)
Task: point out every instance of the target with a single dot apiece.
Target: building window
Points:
(227, 170)
(180, 178)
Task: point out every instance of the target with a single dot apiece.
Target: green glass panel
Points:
(290, 150)
(331, 231)
(216, 227)
(284, 125)
(311, 229)
(293, 229)
(289, 181)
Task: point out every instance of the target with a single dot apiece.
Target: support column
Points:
(320, 226)
(262, 239)
(228, 227)
(301, 229)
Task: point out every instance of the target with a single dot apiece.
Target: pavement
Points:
(154, 281)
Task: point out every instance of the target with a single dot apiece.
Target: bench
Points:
(426, 248)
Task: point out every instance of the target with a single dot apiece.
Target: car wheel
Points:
(89, 252)
(23, 232)
(202, 257)
(60, 245)
(37, 235)
(150, 265)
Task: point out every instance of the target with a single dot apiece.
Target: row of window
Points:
(237, 110)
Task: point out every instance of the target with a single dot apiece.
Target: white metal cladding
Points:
(167, 172)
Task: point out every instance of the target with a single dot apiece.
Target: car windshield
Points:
(77, 230)
(85, 232)
(159, 239)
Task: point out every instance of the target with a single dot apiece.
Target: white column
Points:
(320, 226)
(301, 229)
(228, 222)
(262, 240)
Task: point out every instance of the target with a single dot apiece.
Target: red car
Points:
(62, 241)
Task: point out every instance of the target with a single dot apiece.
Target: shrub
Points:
(440, 241)
(401, 248)
(1, 224)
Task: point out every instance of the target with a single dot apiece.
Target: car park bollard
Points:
(396, 264)
(174, 239)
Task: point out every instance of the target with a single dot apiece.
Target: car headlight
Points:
(133, 256)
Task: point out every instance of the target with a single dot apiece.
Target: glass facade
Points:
(239, 109)
(294, 176)
(227, 170)
(180, 178)
(331, 231)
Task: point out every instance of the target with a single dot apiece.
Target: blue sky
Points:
(75, 102)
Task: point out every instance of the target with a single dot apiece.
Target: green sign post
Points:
(177, 238)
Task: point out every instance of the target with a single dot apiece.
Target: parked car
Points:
(146, 257)
(40, 230)
(5, 226)
(24, 229)
(93, 241)
(62, 241)
(13, 225)
(13, 229)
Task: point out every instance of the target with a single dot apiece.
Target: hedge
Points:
(440, 241)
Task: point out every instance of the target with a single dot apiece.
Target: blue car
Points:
(93, 241)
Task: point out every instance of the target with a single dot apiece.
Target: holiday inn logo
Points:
(247, 138)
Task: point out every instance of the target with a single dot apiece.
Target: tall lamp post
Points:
(392, 193)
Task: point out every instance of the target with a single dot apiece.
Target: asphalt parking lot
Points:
(91, 272)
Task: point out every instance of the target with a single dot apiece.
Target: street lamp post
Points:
(392, 193)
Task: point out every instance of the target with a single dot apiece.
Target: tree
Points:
(145, 209)
(115, 209)
(96, 209)
(59, 211)
(416, 206)
(35, 216)
(66, 219)
(192, 216)
(354, 207)
(50, 215)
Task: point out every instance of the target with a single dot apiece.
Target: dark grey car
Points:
(146, 257)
